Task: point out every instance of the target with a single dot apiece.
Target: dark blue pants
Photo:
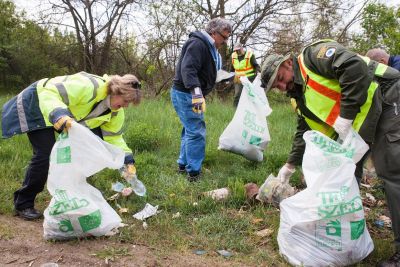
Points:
(42, 142)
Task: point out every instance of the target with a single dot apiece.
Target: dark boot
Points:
(393, 261)
(28, 214)
(193, 176)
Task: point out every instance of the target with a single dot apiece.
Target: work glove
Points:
(128, 171)
(342, 127)
(285, 173)
(63, 123)
(198, 101)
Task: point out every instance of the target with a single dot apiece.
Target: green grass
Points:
(153, 132)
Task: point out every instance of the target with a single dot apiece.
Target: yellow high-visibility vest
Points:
(244, 67)
(322, 97)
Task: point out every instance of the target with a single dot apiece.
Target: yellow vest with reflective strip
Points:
(243, 67)
(79, 93)
(322, 97)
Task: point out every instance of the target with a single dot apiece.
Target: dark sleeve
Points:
(299, 145)
(333, 61)
(394, 62)
(191, 64)
(254, 63)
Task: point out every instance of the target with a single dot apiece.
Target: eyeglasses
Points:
(136, 85)
(223, 36)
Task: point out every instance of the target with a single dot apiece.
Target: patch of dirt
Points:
(22, 244)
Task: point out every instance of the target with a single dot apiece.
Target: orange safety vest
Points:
(323, 96)
(244, 67)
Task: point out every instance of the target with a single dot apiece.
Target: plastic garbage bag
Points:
(78, 209)
(247, 134)
(324, 225)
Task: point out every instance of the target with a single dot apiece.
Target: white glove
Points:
(285, 173)
(342, 127)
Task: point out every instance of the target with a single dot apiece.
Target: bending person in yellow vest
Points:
(52, 104)
(334, 89)
(245, 64)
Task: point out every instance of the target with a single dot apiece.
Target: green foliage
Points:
(381, 27)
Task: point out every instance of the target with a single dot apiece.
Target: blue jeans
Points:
(193, 135)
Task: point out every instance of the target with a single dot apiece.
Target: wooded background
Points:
(59, 37)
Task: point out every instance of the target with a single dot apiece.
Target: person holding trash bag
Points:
(333, 90)
(245, 64)
(93, 101)
(195, 77)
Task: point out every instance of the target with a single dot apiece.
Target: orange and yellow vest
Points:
(323, 95)
(243, 67)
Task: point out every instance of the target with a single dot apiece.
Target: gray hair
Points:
(377, 54)
(127, 86)
(218, 25)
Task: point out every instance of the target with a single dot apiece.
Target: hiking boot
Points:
(393, 261)
(181, 169)
(28, 214)
(193, 176)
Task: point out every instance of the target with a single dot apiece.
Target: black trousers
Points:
(42, 142)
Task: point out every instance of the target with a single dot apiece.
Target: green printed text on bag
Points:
(64, 154)
(330, 146)
(64, 204)
(357, 229)
(250, 121)
(90, 221)
(333, 204)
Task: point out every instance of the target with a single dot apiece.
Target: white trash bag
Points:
(77, 209)
(247, 134)
(324, 225)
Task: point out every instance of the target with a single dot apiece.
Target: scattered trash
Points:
(265, 232)
(126, 191)
(195, 203)
(251, 191)
(117, 187)
(218, 194)
(122, 210)
(145, 225)
(365, 185)
(370, 197)
(380, 203)
(176, 215)
(147, 212)
(225, 253)
(379, 223)
(386, 221)
(199, 252)
(114, 197)
(137, 186)
(274, 191)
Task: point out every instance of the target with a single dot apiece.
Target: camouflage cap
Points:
(270, 67)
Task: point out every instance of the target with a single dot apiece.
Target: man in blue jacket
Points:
(195, 77)
(381, 56)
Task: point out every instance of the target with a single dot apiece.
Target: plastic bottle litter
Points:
(137, 186)
(117, 187)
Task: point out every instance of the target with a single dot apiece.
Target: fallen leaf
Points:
(257, 220)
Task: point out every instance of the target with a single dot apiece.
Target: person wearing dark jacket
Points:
(333, 90)
(381, 56)
(195, 77)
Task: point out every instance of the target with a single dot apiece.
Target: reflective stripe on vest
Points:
(323, 95)
(243, 68)
(318, 126)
